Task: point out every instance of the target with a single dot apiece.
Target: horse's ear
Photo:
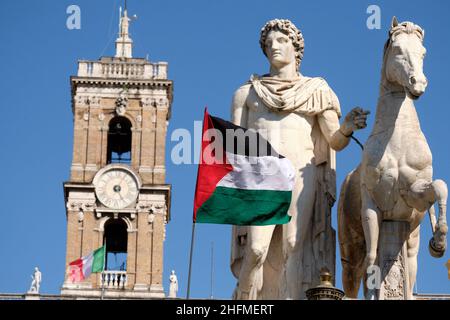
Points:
(394, 22)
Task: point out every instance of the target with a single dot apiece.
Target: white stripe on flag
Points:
(87, 264)
(259, 173)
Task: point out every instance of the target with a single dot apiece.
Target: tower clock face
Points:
(116, 189)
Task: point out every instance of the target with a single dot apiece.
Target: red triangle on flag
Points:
(208, 175)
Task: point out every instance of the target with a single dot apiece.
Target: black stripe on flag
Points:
(242, 141)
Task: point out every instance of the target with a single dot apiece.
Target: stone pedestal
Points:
(392, 260)
(32, 296)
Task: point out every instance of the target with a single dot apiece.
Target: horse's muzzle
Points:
(417, 86)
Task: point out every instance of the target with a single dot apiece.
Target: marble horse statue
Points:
(394, 182)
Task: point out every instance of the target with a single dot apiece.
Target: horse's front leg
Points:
(371, 220)
(422, 196)
(438, 243)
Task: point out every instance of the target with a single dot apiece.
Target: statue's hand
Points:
(354, 120)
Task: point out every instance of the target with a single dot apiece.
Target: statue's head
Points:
(404, 54)
(281, 42)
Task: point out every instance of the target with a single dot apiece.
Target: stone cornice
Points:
(120, 82)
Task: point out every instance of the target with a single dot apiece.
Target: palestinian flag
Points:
(241, 179)
(80, 269)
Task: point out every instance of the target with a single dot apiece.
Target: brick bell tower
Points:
(117, 195)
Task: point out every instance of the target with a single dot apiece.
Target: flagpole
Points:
(194, 217)
(190, 261)
(212, 270)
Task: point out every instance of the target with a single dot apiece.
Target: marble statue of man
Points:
(36, 281)
(121, 104)
(173, 288)
(299, 116)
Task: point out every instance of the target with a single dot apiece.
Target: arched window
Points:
(119, 141)
(116, 240)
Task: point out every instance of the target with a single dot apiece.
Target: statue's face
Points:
(279, 49)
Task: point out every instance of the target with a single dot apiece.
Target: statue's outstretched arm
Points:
(331, 129)
(338, 136)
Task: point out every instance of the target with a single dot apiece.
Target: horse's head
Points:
(403, 57)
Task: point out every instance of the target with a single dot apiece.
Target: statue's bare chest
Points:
(261, 117)
(288, 132)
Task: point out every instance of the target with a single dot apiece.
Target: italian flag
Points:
(94, 262)
(241, 179)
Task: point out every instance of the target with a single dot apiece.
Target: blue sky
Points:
(212, 48)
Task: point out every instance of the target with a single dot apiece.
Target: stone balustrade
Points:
(113, 279)
(114, 69)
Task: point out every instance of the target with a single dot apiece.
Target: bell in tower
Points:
(117, 197)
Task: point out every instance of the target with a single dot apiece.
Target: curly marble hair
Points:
(288, 28)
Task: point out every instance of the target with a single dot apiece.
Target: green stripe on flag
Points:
(99, 260)
(245, 207)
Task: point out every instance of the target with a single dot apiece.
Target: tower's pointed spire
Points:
(124, 44)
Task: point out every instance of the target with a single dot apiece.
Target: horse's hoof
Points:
(435, 251)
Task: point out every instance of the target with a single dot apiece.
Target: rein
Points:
(357, 141)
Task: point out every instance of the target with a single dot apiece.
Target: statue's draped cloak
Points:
(309, 97)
